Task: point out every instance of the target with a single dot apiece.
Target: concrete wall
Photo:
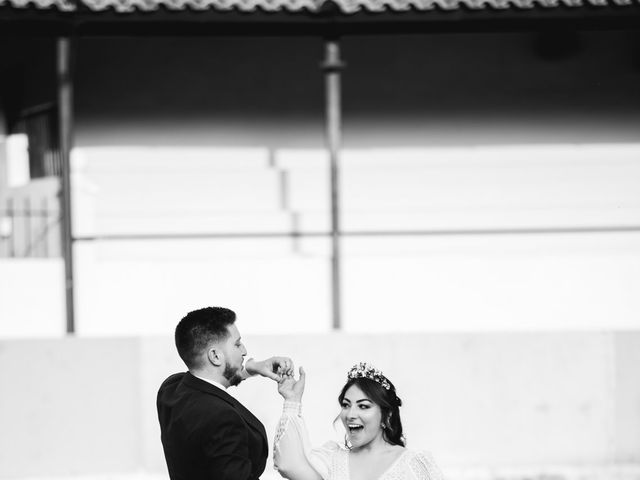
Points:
(69, 407)
(523, 284)
(424, 91)
(583, 283)
(486, 405)
(32, 297)
(446, 91)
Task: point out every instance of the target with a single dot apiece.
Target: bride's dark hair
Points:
(388, 402)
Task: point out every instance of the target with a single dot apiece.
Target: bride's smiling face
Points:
(361, 418)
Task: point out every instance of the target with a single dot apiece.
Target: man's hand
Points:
(292, 389)
(274, 368)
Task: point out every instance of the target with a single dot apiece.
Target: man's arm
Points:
(273, 368)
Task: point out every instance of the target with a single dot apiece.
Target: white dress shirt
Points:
(212, 382)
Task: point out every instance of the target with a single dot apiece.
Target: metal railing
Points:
(29, 229)
(40, 123)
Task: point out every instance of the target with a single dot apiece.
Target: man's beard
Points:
(233, 375)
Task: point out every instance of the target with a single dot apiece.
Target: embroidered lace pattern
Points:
(409, 466)
(423, 466)
(340, 464)
(289, 409)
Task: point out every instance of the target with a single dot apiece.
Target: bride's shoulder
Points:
(422, 454)
(325, 458)
(423, 465)
(331, 448)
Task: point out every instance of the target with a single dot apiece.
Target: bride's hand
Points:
(290, 388)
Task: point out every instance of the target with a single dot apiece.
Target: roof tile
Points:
(346, 6)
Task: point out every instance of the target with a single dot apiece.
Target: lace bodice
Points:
(296, 460)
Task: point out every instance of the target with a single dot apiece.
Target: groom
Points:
(205, 432)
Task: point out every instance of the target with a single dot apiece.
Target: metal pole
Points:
(27, 227)
(12, 222)
(44, 224)
(332, 67)
(65, 122)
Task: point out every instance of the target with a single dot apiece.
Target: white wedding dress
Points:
(331, 461)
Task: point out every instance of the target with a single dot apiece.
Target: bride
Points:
(374, 446)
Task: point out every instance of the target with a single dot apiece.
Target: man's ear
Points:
(215, 356)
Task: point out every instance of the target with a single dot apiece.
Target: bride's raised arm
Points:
(292, 454)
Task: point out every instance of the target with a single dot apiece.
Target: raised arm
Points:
(292, 455)
(274, 368)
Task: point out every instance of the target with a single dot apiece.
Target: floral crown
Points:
(366, 370)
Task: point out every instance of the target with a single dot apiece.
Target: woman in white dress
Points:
(374, 447)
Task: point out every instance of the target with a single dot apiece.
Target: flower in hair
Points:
(366, 370)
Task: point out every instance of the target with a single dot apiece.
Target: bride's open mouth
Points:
(354, 428)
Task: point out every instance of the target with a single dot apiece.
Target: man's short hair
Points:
(198, 329)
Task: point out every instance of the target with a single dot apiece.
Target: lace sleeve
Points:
(424, 467)
(292, 454)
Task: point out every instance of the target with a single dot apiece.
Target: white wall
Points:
(528, 283)
(486, 405)
(453, 282)
(461, 283)
(32, 302)
(69, 407)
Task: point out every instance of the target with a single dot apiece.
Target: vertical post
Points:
(332, 67)
(65, 122)
(28, 240)
(12, 222)
(45, 227)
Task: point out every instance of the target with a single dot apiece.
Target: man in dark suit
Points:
(205, 432)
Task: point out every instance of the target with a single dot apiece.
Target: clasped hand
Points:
(274, 368)
(290, 388)
(280, 369)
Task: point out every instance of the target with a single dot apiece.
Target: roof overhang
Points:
(309, 17)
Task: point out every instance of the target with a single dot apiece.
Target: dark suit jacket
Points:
(208, 434)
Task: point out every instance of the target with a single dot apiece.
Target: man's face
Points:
(234, 353)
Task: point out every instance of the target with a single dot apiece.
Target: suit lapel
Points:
(250, 418)
(194, 382)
